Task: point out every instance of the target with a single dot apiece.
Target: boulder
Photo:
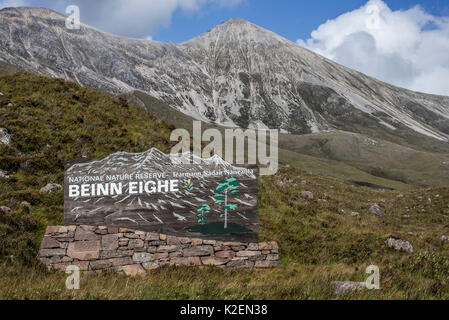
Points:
(25, 205)
(150, 266)
(343, 287)
(5, 138)
(133, 270)
(51, 187)
(307, 195)
(214, 261)
(375, 210)
(399, 244)
(3, 175)
(5, 210)
(444, 239)
(284, 182)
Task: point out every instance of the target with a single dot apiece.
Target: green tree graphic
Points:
(203, 211)
(224, 190)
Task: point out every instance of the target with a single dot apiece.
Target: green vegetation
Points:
(321, 241)
(50, 122)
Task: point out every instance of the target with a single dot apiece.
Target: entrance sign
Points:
(153, 191)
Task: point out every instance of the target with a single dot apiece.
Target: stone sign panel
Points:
(168, 194)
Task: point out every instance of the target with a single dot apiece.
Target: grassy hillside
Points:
(387, 163)
(321, 239)
(50, 122)
(349, 157)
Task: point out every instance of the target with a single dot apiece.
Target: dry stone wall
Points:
(133, 252)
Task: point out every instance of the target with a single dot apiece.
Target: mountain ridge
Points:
(250, 77)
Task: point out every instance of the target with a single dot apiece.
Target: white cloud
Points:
(408, 48)
(13, 3)
(133, 18)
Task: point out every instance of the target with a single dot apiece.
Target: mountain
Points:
(236, 74)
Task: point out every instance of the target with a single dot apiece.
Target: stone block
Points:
(272, 257)
(100, 264)
(198, 251)
(130, 235)
(109, 242)
(175, 254)
(141, 257)
(83, 234)
(253, 246)
(151, 236)
(53, 229)
(50, 243)
(214, 261)
(268, 245)
(168, 248)
(161, 255)
(196, 241)
(52, 252)
(112, 230)
(171, 240)
(84, 250)
(248, 253)
(185, 261)
(106, 254)
(185, 240)
(135, 243)
(115, 262)
(225, 254)
(240, 263)
(233, 244)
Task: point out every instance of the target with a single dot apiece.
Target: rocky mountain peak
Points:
(31, 11)
(237, 74)
(238, 30)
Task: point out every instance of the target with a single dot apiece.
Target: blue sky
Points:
(402, 42)
(292, 19)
